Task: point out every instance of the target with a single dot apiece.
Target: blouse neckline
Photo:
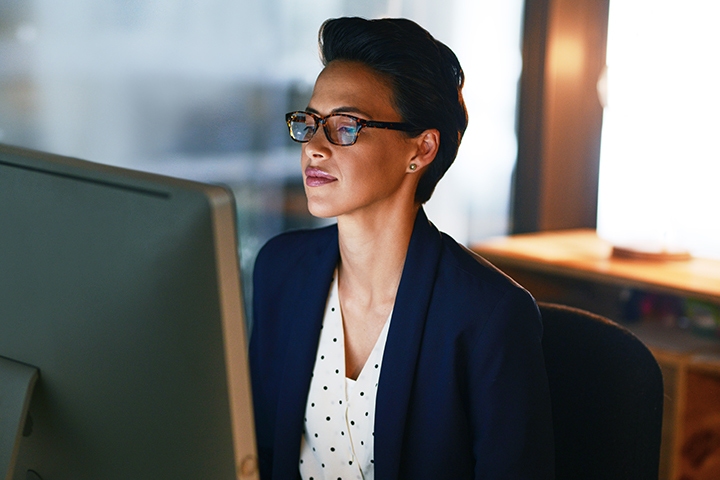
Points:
(338, 435)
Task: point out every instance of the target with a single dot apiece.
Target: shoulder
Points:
(463, 263)
(293, 247)
(484, 298)
(298, 239)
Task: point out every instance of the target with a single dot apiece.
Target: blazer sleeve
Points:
(260, 366)
(513, 436)
(269, 338)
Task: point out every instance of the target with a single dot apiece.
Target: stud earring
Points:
(413, 167)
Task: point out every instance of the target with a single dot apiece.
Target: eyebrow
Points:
(345, 109)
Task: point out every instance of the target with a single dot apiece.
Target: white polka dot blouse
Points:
(337, 440)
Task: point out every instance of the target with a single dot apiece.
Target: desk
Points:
(576, 268)
(583, 255)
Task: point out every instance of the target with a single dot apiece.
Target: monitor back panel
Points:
(109, 284)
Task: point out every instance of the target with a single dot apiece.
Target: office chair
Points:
(606, 391)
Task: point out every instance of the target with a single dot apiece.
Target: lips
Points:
(314, 177)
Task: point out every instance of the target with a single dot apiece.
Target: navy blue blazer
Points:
(463, 391)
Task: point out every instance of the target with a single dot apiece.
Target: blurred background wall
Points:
(199, 89)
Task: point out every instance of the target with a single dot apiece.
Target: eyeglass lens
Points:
(340, 129)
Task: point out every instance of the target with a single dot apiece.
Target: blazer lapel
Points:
(313, 283)
(403, 345)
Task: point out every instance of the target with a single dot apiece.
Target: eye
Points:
(301, 129)
(302, 126)
(346, 128)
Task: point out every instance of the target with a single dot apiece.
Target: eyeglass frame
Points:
(362, 123)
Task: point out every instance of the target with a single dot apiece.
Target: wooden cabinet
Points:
(653, 299)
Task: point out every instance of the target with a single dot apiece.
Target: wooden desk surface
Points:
(582, 254)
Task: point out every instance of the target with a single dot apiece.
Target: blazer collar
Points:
(403, 345)
(314, 283)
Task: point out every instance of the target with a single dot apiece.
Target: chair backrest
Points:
(607, 397)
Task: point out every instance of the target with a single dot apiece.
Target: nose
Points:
(318, 146)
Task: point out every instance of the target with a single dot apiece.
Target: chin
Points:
(320, 210)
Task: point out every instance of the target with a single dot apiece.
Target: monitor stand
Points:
(17, 381)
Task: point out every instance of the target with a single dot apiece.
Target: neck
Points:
(373, 250)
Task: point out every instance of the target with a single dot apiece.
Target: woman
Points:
(380, 347)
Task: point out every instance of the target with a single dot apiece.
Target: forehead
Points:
(353, 87)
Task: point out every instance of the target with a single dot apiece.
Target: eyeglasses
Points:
(340, 129)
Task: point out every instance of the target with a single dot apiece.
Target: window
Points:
(660, 155)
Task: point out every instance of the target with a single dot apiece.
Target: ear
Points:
(427, 144)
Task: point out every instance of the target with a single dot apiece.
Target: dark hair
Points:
(424, 73)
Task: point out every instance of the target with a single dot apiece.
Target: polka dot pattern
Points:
(340, 412)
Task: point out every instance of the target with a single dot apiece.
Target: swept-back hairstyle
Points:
(425, 76)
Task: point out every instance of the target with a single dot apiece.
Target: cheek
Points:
(392, 158)
(378, 170)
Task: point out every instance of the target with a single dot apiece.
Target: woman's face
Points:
(371, 175)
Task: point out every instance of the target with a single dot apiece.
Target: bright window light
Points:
(660, 155)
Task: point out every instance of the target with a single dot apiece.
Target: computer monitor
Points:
(122, 334)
